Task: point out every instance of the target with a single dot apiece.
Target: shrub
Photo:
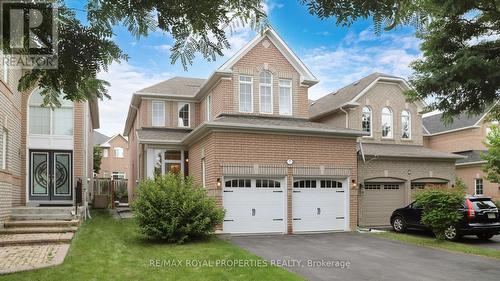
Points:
(171, 208)
(440, 208)
(460, 185)
(497, 202)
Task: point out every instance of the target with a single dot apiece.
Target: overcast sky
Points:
(336, 55)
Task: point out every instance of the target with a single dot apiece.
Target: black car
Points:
(480, 218)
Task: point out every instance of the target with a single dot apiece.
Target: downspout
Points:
(346, 117)
(362, 152)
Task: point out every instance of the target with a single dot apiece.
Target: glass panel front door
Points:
(50, 175)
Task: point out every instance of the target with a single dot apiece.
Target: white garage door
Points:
(319, 204)
(254, 205)
(378, 202)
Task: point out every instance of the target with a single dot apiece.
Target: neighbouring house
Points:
(115, 157)
(244, 134)
(465, 135)
(44, 152)
(392, 161)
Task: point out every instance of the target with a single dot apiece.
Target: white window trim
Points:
(118, 174)
(162, 124)
(105, 152)
(179, 120)
(391, 135)
(51, 120)
(5, 70)
(270, 85)
(409, 125)
(475, 186)
(4, 149)
(371, 121)
(122, 152)
(208, 107)
(203, 172)
(291, 96)
(251, 92)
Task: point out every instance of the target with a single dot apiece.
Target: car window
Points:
(481, 205)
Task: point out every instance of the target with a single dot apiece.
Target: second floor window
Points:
(286, 97)
(405, 124)
(246, 95)
(118, 152)
(266, 92)
(158, 113)
(44, 120)
(105, 152)
(184, 115)
(366, 120)
(209, 107)
(386, 122)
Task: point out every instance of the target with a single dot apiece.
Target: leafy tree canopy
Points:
(492, 157)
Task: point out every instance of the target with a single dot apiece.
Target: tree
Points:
(460, 68)
(97, 158)
(492, 157)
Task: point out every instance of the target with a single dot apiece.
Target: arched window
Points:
(386, 122)
(405, 124)
(366, 120)
(44, 120)
(266, 92)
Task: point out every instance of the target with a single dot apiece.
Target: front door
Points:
(50, 175)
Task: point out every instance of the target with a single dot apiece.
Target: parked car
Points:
(480, 217)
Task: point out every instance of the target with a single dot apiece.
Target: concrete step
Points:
(42, 210)
(41, 217)
(41, 223)
(35, 238)
(26, 230)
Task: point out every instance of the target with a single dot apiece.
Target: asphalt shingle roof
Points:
(337, 98)
(99, 138)
(433, 123)
(472, 156)
(162, 134)
(176, 86)
(406, 151)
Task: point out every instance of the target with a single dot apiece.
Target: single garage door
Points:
(319, 204)
(254, 205)
(378, 202)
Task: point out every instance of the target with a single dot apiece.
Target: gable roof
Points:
(348, 95)
(434, 125)
(108, 141)
(306, 76)
(175, 86)
(99, 138)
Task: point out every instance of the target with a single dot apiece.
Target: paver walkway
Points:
(27, 257)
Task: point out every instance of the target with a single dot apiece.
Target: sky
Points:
(336, 55)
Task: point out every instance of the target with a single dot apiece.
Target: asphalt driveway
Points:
(355, 256)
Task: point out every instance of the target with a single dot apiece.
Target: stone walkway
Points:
(20, 258)
(36, 237)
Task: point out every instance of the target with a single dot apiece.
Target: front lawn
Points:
(444, 245)
(107, 249)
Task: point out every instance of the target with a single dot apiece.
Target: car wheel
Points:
(484, 237)
(399, 224)
(451, 233)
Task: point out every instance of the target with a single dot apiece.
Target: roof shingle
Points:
(176, 86)
(406, 151)
(433, 123)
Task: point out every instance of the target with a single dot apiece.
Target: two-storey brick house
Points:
(392, 161)
(465, 135)
(244, 134)
(115, 157)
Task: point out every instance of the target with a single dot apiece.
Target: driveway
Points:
(369, 257)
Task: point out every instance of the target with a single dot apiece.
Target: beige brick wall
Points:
(468, 174)
(171, 113)
(468, 139)
(115, 164)
(248, 148)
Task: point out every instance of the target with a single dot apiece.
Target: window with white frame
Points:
(183, 109)
(266, 92)
(118, 152)
(44, 120)
(405, 124)
(478, 185)
(246, 94)
(286, 96)
(387, 122)
(158, 113)
(209, 107)
(366, 120)
(118, 175)
(3, 149)
(105, 152)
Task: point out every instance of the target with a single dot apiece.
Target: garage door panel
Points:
(378, 203)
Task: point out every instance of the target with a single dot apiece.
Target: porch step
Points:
(65, 217)
(41, 223)
(29, 230)
(35, 238)
(42, 210)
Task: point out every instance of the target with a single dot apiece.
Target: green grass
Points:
(444, 245)
(107, 249)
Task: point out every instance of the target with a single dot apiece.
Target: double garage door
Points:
(258, 205)
(378, 202)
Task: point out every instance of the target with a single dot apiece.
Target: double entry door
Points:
(50, 175)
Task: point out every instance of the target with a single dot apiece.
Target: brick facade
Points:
(112, 163)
